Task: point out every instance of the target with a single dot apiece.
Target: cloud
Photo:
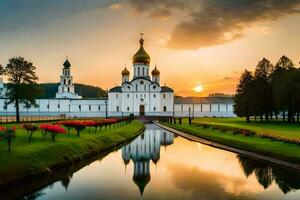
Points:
(216, 22)
(116, 6)
(160, 14)
(16, 14)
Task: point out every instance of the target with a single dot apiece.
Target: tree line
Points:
(86, 91)
(271, 91)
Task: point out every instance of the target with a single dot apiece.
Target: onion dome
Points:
(141, 56)
(125, 72)
(67, 64)
(155, 72)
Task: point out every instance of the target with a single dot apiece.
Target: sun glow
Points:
(198, 88)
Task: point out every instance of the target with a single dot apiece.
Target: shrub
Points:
(8, 134)
(53, 130)
(31, 129)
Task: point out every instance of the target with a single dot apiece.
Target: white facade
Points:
(66, 88)
(141, 95)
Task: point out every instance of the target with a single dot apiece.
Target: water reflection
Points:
(144, 149)
(286, 180)
(183, 170)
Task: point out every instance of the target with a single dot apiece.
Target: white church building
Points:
(140, 94)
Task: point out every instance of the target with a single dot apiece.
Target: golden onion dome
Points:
(141, 56)
(125, 72)
(155, 72)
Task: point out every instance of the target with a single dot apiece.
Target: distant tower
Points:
(156, 75)
(141, 62)
(66, 88)
(125, 75)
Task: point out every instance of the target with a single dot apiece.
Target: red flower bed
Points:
(52, 128)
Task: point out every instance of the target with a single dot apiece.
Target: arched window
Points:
(68, 89)
(90, 107)
(128, 109)
(69, 82)
(154, 109)
(154, 96)
(138, 71)
(164, 95)
(79, 107)
(64, 81)
(117, 108)
(99, 108)
(127, 95)
(143, 71)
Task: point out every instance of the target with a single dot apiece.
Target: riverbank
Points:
(44, 157)
(279, 150)
(273, 128)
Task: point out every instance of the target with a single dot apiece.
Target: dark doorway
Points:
(142, 110)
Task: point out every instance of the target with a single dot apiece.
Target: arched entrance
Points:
(142, 110)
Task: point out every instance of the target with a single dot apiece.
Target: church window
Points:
(142, 82)
(138, 71)
(90, 107)
(127, 95)
(48, 106)
(64, 81)
(128, 109)
(164, 95)
(117, 108)
(68, 89)
(142, 99)
(136, 87)
(79, 107)
(99, 108)
(69, 82)
(128, 87)
(117, 96)
(143, 71)
(181, 107)
(63, 89)
(154, 96)
(154, 109)
(58, 106)
(154, 87)
(165, 108)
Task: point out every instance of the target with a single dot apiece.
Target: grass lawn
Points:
(40, 155)
(284, 151)
(274, 128)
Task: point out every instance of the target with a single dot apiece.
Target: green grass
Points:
(284, 151)
(40, 155)
(273, 128)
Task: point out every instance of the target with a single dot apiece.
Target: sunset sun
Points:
(198, 88)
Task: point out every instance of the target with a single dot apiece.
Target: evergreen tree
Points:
(263, 88)
(243, 98)
(21, 87)
(282, 86)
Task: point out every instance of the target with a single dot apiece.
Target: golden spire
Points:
(141, 56)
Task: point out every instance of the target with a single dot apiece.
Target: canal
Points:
(160, 165)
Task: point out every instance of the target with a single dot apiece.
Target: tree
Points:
(22, 87)
(263, 88)
(243, 98)
(282, 86)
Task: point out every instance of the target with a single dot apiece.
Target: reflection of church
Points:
(143, 149)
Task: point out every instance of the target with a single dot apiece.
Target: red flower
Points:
(53, 128)
(2, 129)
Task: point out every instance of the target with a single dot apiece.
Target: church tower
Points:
(125, 75)
(155, 75)
(66, 88)
(141, 62)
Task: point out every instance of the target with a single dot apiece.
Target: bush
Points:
(8, 134)
(31, 129)
(53, 130)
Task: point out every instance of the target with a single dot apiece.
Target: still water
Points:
(160, 165)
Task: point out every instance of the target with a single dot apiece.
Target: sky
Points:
(206, 43)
